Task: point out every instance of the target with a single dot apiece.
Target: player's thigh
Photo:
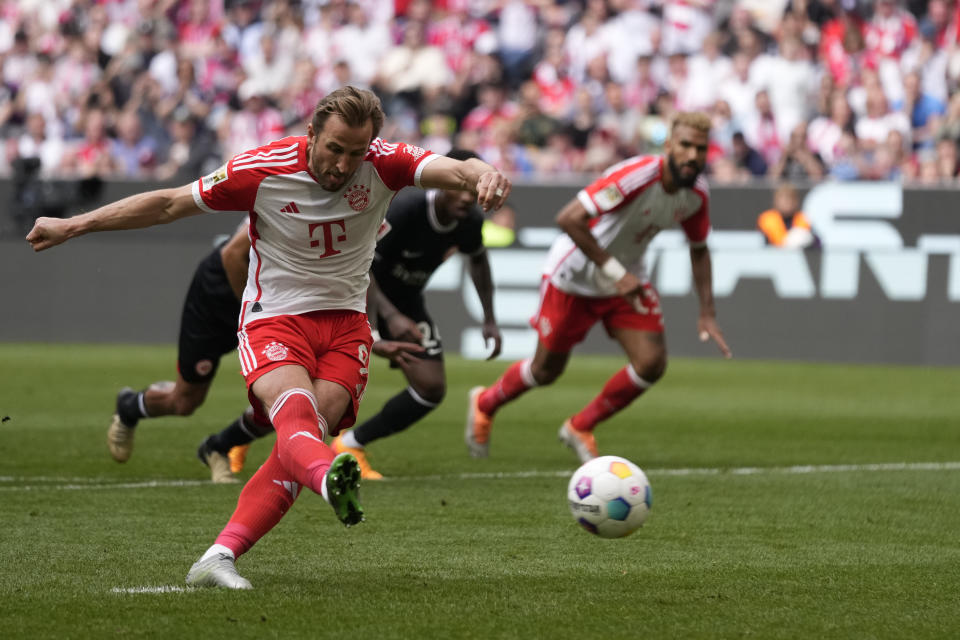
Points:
(344, 360)
(208, 329)
(333, 400)
(274, 383)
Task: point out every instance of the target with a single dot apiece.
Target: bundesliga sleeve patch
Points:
(384, 229)
(215, 178)
(608, 197)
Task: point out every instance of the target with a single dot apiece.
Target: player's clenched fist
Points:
(47, 232)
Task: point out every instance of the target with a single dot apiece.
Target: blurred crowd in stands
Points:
(798, 89)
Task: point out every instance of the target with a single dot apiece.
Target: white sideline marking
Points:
(86, 485)
(710, 471)
(161, 589)
(81, 484)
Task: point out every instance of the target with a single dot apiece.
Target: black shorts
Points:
(414, 308)
(208, 325)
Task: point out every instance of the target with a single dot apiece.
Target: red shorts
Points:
(564, 319)
(330, 345)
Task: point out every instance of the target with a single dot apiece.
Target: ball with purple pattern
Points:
(609, 496)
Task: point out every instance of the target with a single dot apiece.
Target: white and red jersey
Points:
(628, 207)
(311, 248)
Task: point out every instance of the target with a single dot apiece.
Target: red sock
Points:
(300, 430)
(622, 389)
(516, 380)
(264, 500)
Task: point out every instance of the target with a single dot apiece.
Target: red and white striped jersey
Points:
(311, 248)
(629, 207)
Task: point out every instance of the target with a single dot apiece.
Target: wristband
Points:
(376, 335)
(613, 269)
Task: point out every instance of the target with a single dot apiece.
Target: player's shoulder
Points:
(285, 155)
(637, 170)
(381, 150)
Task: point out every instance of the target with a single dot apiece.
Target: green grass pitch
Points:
(781, 510)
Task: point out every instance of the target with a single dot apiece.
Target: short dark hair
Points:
(355, 106)
(461, 154)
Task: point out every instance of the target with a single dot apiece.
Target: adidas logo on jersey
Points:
(290, 208)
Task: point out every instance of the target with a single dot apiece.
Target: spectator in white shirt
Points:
(825, 132)
(875, 126)
(36, 142)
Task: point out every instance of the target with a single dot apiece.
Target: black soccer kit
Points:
(413, 245)
(208, 324)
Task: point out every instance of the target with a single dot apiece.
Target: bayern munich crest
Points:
(358, 197)
(276, 351)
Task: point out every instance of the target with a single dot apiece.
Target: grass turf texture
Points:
(448, 554)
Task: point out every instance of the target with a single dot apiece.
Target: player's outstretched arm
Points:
(135, 212)
(707, 327)
(491, 186)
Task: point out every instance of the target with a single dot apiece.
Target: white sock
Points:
(323, 488)
(350, 440)
(217, 549)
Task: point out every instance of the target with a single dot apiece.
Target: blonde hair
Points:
(694, 119)
(355, 106)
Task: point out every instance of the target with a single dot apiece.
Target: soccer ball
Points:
(609, 496)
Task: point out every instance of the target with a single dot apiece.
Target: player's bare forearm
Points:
(482, 278)
(235, 255)
(707, 328)
(483, 281)
(574, 220)
(161, 206)
(703, 279)
(476, 176)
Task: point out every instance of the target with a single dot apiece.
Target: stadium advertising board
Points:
(882, 287)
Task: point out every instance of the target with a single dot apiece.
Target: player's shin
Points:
(515, 381)
(619, 391)
(264, 500)
(399, 412)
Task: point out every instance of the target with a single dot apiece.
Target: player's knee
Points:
(651, 369)
(545, 375)
(433, 393)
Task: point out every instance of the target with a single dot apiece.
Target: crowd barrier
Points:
(882, 288)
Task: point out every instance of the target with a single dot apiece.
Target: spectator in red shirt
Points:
(890, 30)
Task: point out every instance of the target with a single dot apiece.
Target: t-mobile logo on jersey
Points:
(327, 236)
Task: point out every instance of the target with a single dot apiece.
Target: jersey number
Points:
(431, 339)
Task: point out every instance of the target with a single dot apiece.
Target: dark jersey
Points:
(413, 244)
